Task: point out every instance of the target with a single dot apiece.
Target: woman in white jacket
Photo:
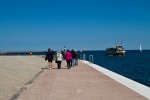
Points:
(59, 59)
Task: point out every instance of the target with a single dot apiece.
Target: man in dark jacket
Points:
(49, 57)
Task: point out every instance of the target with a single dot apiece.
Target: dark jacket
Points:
(49, 55)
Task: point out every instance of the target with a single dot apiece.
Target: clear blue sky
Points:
(76, 24)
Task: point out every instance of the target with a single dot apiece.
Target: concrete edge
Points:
(135, 86)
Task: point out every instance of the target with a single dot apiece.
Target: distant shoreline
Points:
(23, 53)
(5, 53)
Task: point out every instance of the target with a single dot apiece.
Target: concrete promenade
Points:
(78, 83)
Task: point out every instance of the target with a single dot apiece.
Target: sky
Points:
(75, 24)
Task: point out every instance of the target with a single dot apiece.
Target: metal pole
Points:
(83, 56)
(91, 58)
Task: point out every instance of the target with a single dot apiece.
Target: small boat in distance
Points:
(118, 50)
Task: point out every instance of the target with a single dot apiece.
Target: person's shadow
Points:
(60, 68)
(46, 67)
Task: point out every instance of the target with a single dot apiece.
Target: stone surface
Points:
(16, 71)
(78, 83)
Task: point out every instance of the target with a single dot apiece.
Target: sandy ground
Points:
(16, 71)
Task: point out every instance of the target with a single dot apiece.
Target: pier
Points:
(22, 53)
(78, 83)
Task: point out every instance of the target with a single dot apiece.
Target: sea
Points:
(134, 65)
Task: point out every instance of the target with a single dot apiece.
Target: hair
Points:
(49, 49)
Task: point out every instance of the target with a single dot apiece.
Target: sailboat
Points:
(140, 48)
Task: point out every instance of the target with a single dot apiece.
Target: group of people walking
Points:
(71, 58)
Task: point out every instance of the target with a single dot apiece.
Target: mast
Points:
(140, 48)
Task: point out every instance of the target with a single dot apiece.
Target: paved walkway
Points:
(78, 83)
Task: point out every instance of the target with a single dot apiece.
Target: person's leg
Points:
(67, 63)
(73, 62)
(49, 64)
(58, 64)
(76, 62)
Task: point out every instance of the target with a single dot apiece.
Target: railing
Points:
(83, 56)
(91, 58)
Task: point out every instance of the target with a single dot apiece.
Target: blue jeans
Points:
(76, 62)
(73, 62)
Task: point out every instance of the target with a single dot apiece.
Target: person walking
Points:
(76, 58)
(59, 58)
(49, 57)
(68, 57)
(73, 58)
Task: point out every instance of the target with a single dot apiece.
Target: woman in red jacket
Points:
(68, 57)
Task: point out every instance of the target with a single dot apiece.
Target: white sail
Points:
(140, 48)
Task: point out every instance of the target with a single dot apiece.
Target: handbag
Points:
(55, 60)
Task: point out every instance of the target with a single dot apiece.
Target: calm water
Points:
(134, 65)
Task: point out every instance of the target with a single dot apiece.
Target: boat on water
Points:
(117, 50)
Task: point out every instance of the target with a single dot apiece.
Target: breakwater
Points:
(9, 53)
